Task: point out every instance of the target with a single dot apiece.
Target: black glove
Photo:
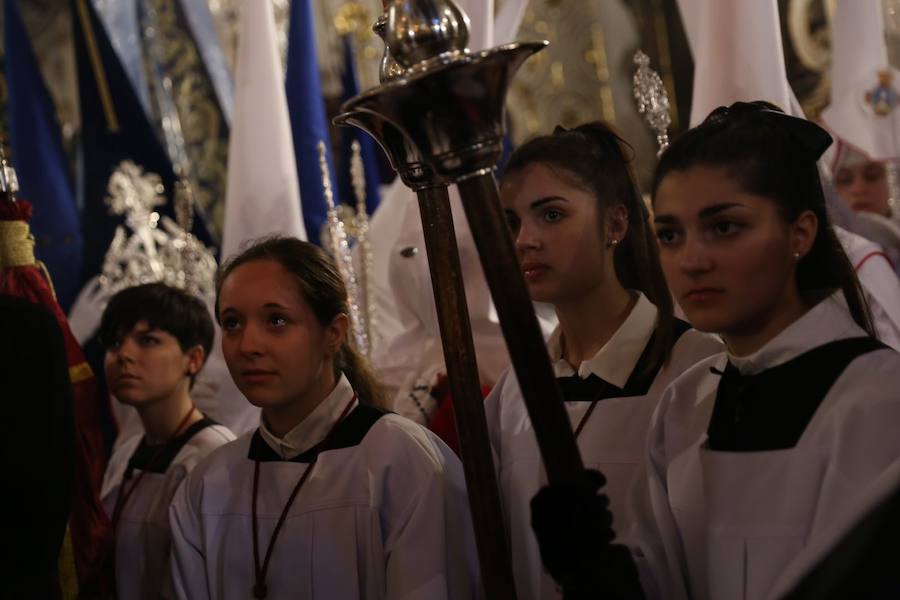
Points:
(573, 526)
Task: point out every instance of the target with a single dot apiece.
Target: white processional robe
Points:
(613, 439)
(143, 539)
(879, 284)
(383, 515)
(414, 357)
(742, 525)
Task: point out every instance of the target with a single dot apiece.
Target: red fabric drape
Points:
(91, 533)
(443, 422)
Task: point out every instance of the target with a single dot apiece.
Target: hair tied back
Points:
(811, 139)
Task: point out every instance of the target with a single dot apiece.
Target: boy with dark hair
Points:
(163, 307)
(157, 339)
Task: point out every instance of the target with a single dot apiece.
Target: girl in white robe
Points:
(585, 243)
(760, 457)
(331, 497)
(157, 339)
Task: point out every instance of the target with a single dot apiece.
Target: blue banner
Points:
(40, 162)
(369, 152)
(308, 120)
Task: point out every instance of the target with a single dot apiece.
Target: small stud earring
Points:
(612, 243)
(796, 256)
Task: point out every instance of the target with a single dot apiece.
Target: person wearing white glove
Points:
(84, 316)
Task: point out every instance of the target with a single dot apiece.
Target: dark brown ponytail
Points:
(320, 283)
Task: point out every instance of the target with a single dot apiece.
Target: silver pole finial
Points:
(652, 99)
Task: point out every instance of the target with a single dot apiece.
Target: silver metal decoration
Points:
(158, 249)
(422, 35)
(389, 68)
(340, 250)
(161, 84)
(892, 172)
(9, 182)
(184, 204)
(652, 99)
(361, 224)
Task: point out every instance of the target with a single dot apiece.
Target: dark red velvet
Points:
(88, 523)
(443, 422)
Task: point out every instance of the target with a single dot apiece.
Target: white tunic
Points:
(384, 513)
(143, 539)
(414, 356)
(613, 439)
(732, 525)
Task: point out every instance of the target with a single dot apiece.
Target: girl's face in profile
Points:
(729, 256)
(557, 232)
(272, 341)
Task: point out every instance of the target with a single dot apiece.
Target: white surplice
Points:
(383, 515)
(143, 539)
(613, 439)
(741, 525)
(879, 284)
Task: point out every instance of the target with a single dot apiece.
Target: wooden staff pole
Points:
(465, 389)
(458, 347)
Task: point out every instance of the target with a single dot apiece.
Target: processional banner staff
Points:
(438, 115)
(88, 532)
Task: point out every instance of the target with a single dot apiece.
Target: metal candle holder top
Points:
(438, 113)
(423, 33)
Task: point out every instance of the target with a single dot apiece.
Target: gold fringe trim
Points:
(68, 576)
(112, 121)
(16, 245)
(17, 249)
(80, 372)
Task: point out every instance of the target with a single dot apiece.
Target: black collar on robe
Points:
(593, 388)
(348, 433)
(771, 409)
(152, 459)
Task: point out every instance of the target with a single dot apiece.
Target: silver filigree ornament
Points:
(340, 250)
(652, 100)
(157, 249)
(361, 223)
(9, 182)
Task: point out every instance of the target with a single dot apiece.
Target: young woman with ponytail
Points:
(331, 497)
(586, 246)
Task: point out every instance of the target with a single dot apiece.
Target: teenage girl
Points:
(331, 497)
(586, 246)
